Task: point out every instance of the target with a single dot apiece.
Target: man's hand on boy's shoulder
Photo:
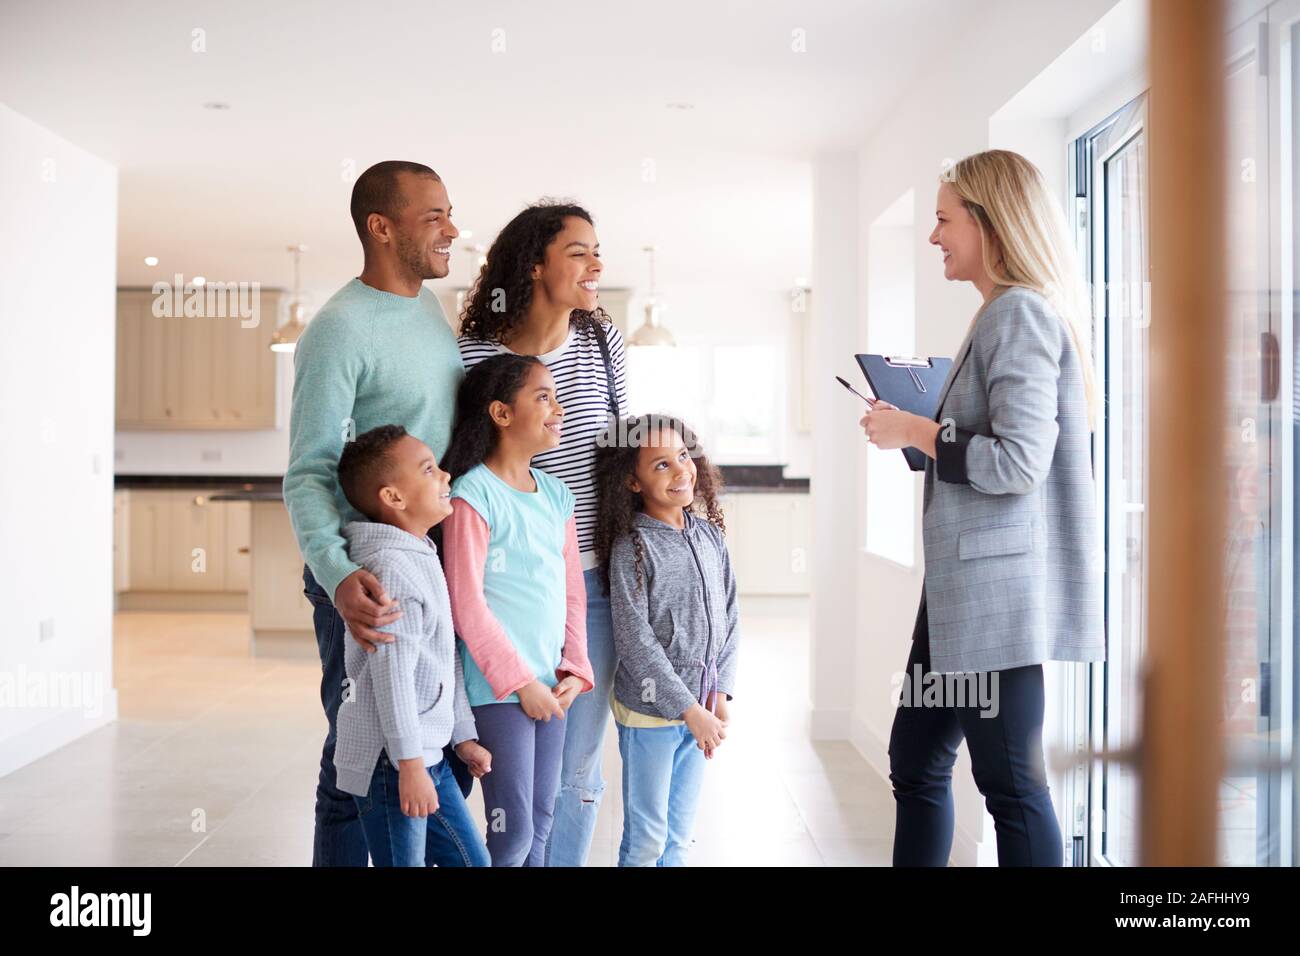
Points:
(364, 604)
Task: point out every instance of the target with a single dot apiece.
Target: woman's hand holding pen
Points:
(889, 427)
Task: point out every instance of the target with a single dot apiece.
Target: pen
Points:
(869, 401)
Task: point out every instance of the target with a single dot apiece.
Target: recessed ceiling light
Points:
(681, 106)
(199, 280)
(800, 282)
(216, 105)
(466, 234)
(151, 260)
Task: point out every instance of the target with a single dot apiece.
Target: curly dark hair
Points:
(616, 461)
(516, 249)
(495, 379)
(365, 465)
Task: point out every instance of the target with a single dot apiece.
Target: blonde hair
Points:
(1006, 195)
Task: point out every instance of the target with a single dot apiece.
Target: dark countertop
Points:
(241, 495)
(213, 482)
(742, 480)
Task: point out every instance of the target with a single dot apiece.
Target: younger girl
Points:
(517, 597)
(673, 598)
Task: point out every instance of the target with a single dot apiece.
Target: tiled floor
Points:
(213, 763)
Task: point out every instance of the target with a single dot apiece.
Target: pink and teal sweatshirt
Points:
(514, 574)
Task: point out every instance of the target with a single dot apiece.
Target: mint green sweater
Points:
(368, 358)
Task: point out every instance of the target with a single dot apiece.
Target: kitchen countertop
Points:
(212, 482)
(269, 487)
(242, 495)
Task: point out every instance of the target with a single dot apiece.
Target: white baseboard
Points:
(63, 728)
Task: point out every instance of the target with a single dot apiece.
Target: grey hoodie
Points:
(408, 697)
(676, 633)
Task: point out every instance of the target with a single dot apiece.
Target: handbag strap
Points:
(609, 368)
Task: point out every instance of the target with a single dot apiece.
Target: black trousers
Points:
(1000, 715)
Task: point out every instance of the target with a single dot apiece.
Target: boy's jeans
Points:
(339, 839)
(662, 773)
(581, 784)
(445, 838)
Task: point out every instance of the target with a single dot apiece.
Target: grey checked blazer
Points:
(1012, 575)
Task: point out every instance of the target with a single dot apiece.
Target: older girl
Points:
(517, 598)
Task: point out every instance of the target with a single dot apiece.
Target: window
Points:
(732, 395)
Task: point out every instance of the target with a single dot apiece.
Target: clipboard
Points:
(913, 384)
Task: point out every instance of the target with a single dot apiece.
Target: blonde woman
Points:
(1010, 532)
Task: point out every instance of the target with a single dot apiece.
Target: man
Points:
(380, 352)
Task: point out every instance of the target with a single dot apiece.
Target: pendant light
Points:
(285, 338)
(651, 331)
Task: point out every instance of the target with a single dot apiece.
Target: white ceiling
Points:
(575, 105)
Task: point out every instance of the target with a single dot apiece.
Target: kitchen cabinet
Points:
(193, 373)
(121, 539)
(237, 559)
(769, 539)
(181, 541)
(150, 543)
(276, 601)
(197, 541)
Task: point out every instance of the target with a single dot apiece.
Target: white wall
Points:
(945, 116)
(891, 330)
(836, 517)
(58, 240)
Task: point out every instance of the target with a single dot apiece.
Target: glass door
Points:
(1251, 390)
(1278, 729)
(1257, 398)
(1115, 201)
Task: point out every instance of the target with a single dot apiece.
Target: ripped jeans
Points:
(581, 783)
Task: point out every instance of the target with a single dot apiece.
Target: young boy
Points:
(402, 703)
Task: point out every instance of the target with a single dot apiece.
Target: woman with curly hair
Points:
(537, 295)
(674, 600)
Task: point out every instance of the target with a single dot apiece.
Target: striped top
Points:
(582, 389)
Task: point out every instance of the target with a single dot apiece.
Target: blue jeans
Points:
(663, 769)
(339, 839)
(1006, 755)
(446, 838)
(581, 783)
